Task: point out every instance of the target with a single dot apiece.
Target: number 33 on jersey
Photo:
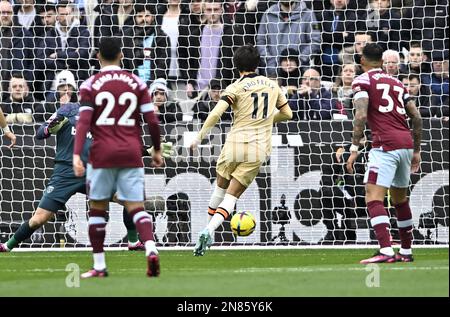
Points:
(386, 115)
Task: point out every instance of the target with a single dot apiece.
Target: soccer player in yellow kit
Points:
(257, 103)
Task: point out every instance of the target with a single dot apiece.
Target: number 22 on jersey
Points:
(124, 120)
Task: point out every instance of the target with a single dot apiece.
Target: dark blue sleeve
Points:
(42, 132)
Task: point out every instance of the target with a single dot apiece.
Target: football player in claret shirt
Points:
(385, 104)
(111, 105)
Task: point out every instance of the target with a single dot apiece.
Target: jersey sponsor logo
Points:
(50, 189)
(74, 131)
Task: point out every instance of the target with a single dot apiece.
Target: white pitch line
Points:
(239, 247)
(387, 267)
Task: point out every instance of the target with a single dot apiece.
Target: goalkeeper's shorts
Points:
(62, 185)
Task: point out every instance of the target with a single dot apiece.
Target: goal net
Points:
(184, 49)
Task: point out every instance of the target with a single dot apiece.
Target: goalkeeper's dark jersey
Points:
(65, 137)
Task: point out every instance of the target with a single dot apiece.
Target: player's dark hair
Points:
(373, 52)
(246, 58)
(110, 48)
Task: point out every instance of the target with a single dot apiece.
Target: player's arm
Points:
(285, 112)
(4, 125)
(361, 105)
(416, 121)
(51, 126)
(83, 125)
(212, 119)
(359, 122)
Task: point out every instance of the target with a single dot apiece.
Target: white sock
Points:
(215, 223)
(228, 204)
(216, 198)
(387, 251)
(99, 261)
(405, 251)
(150, 247)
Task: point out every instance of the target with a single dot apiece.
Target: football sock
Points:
(380, 224)
(216, 199)
(222, 213)
(405, 225)
(99, 261)
(97, 232)
(23, 233)
(131, 228)
(144, 226)
(150, 247)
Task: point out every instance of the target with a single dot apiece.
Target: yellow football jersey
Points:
(254, 100)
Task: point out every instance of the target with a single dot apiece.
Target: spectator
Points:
(312, 101)
(25, 15)
(338, 27)
(384, 23)
(352, 54)
(438, 82)
(113, 19)
(213, 57)
(420, 92)
(191, 22)
(342, 89)
(146, 47)
(428, 20)
(289, 71)
(170, 26)
(168, 111)
(48, 18)
(417, 61)
(16, 55)
(203, 107)
(287, 24)
(20, 105)
(391, 62)
(245, 14)
(66, 46)
(65, 91)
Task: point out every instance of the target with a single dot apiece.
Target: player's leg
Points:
(234, 191)
(404, 222)
(40, 217)
(217, 195)
(399, 192)
(97, 233)
(100, 187)
(133, 241)
(378, 178)
(59, 190)
(130, 189)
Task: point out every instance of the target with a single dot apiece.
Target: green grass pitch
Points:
(229, 273)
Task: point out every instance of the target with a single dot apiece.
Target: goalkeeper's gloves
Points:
(166, 150)
(57, 124)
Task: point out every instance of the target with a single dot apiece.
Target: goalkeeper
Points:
(63, 183)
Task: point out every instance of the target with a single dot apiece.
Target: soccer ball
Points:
(243, 223)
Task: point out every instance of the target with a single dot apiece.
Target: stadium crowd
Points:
(183, 50)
